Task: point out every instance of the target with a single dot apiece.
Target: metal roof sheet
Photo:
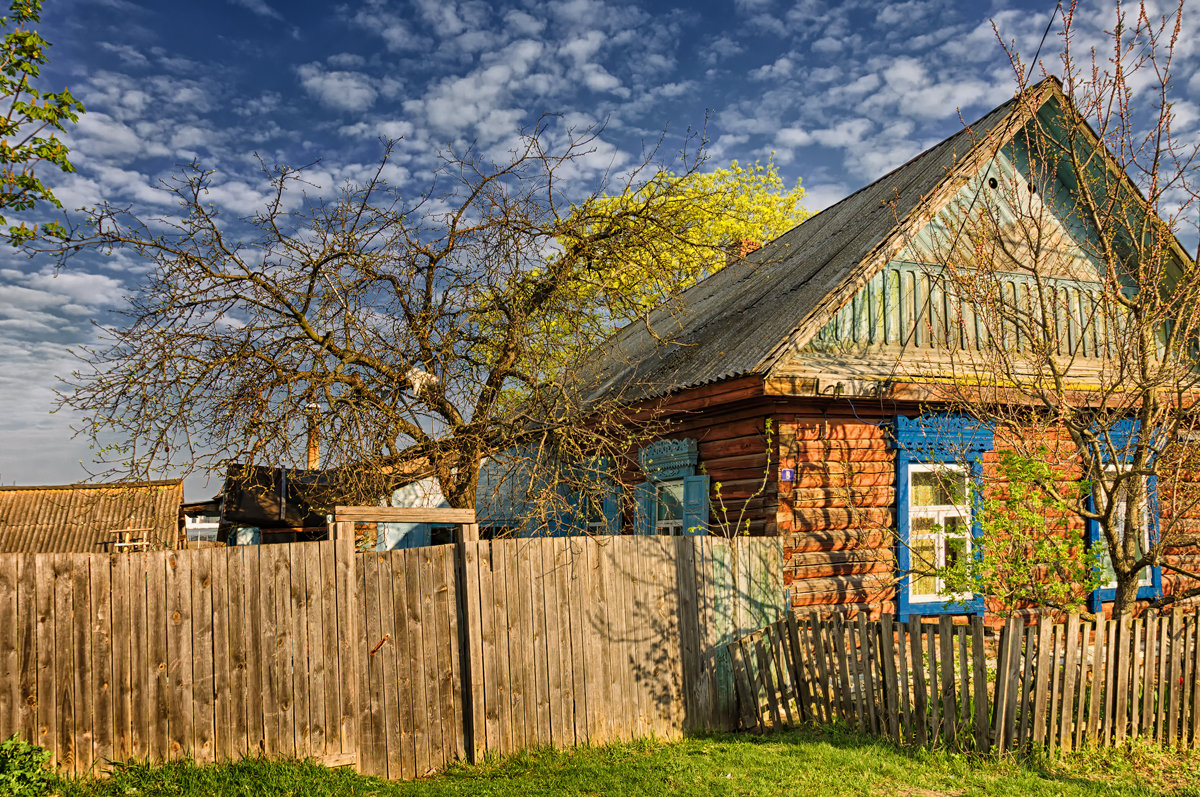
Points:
(728, 324)
(85, 517)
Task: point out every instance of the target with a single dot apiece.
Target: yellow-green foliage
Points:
(699, 219)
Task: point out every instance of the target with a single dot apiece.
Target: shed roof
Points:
(734, 322)
(85, 517)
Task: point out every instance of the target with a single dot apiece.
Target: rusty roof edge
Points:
(95, 485)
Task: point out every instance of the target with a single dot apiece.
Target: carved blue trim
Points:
(941, 437)
(665, 460)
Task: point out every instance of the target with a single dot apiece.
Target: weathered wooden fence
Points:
(1054, 685)
(397, 662)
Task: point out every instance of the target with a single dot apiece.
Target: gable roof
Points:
(82, 518)
(740, 319)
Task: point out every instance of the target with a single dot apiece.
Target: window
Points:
(1108, 576)
(939, 527)
(938, 457)
(673, 500)
(669, 508)
(1122, 438)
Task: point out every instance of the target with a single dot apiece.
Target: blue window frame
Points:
(1122, 437)
(674, 499)
(939, 456)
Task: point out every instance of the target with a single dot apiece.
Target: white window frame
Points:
(939, 513)
(1146, 577)
(672, 527)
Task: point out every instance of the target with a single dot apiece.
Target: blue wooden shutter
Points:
(612, 508)
(695, 505)
(644, 508)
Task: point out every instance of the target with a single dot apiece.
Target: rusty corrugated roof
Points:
(86, 517)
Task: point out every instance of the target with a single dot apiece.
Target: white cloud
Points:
(258, 7)
(339, 89)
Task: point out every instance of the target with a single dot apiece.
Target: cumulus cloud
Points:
(339, 89)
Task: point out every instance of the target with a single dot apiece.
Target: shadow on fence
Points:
(1050, 685)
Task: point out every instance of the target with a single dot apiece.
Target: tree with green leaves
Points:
(28, 132)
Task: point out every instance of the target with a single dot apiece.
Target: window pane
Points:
(956, 550)
(924, 559)
(670, 501)
(938, 488)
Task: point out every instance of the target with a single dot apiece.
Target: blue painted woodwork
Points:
(940, 438)
(695, 506)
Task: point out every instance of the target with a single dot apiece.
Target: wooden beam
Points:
(386, 514)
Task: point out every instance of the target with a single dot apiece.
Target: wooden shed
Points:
(79, 518)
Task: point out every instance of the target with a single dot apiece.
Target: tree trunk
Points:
(1127, 587)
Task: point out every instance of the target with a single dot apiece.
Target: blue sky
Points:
(840, 92)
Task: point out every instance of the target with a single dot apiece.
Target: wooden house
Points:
(794, 383)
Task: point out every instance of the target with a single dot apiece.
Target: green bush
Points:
(23, 770)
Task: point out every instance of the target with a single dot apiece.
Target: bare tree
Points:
(1073, 313)
(439, 329)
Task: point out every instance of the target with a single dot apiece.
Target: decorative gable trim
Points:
(669, 459)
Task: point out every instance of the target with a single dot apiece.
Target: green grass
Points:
(804, 761)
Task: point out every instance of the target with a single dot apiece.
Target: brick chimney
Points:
(740, 250)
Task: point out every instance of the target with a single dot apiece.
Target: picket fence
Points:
(396, 662)
(1086, 680)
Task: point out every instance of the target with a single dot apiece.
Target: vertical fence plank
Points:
(102, 659)
(979, 677)
(314, 605)
(9, 625)
(1123, 652)
(223, 665)
(27, 635)
(83, 688)
(1067, 704)
(1136, 665)
(203, 656)
(816, 638)
(920, 703)
(122, 674)
(1150, 684)
(946, 652)
(1097, 684)
(887, 637)
(1042, 677)
(258, 643)
(936, 731)
(904, 682)
(391, 653)
(1027, 689)
(1057, 664)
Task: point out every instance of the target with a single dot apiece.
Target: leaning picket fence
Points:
(1086, 680)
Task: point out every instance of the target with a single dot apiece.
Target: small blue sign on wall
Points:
(787, 474)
